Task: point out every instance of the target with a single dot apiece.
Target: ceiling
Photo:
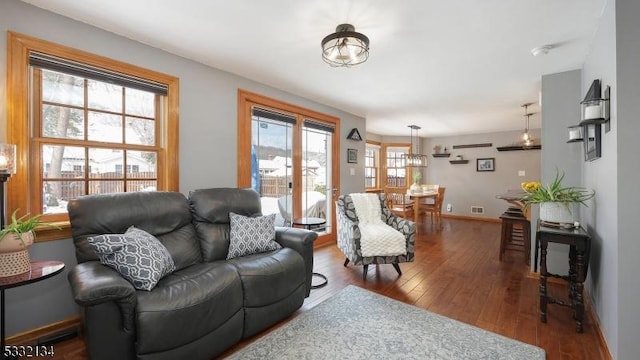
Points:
(452, 67)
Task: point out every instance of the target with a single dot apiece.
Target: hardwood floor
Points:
(456, 274)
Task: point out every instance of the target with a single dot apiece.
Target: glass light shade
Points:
(345, 47)
(415, 160)
(575, 133)
(7, 158)
(593, 109)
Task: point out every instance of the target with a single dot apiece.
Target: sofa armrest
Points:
(93, 283)
(302, 242)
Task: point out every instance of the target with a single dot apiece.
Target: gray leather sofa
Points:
(208, 303)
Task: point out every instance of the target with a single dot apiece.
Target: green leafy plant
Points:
(23, 224)
(535, 193)
(417, 176)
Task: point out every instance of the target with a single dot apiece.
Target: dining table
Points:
(416, 196)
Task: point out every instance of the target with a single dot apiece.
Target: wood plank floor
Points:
(456, 274)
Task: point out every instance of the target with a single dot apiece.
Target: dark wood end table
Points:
(579, 243)
(40, 270)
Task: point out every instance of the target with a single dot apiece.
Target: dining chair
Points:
(398, 202)
(434, 209)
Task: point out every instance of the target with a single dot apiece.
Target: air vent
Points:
(477, 210)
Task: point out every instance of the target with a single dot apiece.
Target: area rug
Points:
(360, 324)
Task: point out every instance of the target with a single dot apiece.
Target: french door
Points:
(289, 155)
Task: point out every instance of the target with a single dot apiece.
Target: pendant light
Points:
(527, 139)
(414, 158)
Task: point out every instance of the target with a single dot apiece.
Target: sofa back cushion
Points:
(163, 214)
(211, 208)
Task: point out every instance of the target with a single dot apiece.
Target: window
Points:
(371, 165)
(78, 120)
(396, 171)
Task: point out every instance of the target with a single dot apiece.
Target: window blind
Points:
(70, 67)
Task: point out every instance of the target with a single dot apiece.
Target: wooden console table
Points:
(579, 243)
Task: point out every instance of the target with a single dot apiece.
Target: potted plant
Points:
(557, 202)
(415, 187)
(15, 239)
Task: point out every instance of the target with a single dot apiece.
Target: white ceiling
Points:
(452, 67)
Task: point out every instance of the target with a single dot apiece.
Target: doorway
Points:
(289, 155)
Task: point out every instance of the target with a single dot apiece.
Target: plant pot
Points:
(558, 212)
(14, 253)
(415, 188)
(13, 242)
(14, 263)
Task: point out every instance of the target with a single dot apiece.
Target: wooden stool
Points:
(516, 235)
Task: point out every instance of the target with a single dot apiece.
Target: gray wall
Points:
(466, 187)
(611, 220)
(602, 220)
(208, 108)
(560, 109)
(614, 286)
(627, 287)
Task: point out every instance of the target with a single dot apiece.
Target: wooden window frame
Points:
(383, 161)
(376, 165)
(22, 186)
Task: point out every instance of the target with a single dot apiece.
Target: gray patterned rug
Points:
(360, 324)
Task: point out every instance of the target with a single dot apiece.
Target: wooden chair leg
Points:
(364, 272)
(346, 262)
(397, 267)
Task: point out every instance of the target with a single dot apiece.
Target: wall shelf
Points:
(441, 155)
(514, 148)
(458, 161)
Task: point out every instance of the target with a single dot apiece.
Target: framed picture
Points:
(591, 139)
(352, 156)
(486, 164)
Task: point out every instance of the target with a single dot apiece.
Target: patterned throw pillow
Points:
(137, 255)
(251, 235)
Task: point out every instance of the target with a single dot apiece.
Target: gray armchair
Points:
(349, 235)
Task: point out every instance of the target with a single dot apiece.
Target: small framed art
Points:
(352, 156)
(486, 164)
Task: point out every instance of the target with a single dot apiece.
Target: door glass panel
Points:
(271, 163)
(316, 172)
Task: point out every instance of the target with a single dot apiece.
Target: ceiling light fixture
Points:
(414, 158)
(527, 139)
(345, 47)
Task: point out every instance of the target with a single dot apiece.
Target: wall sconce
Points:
(595, 107)
(575, 133)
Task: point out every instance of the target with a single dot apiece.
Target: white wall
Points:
(208, 116)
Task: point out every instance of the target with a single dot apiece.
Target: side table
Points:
(579, 243)
(40, 270)
(310, 223)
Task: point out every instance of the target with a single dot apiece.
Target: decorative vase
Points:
(14, 253)
(415, 188)
(558, 212)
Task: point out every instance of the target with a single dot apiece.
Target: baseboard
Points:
(589, 312)
(49, 333)
(466, 217)
(592, 314)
